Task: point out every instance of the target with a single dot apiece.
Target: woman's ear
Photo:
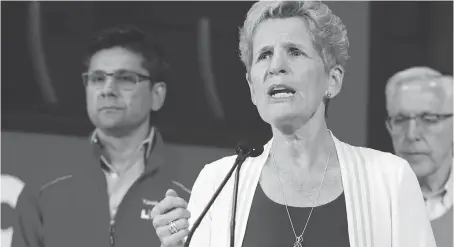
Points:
(336, 76)
(251, 89)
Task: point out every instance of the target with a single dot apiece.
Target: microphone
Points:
(250, 150)
(244, 150)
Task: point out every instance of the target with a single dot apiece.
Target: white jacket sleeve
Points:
(200, 196)
(410, 221)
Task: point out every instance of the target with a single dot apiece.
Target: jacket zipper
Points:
(112, 233)
(128, 193)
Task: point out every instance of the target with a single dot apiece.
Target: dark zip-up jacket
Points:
(73, 210)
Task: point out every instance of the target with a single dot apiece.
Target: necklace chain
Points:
(299, 239)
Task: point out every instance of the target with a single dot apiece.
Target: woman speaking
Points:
(307, 188)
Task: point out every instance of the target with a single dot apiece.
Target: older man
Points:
(420, 103)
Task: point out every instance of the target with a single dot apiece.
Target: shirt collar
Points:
(446, 190)
(147, 144)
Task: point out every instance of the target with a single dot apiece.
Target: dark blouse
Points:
(269, 226)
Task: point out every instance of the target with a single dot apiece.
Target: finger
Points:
(168, 204)
(171, 192)
(175, 239)
(164, 231)
(176, 214)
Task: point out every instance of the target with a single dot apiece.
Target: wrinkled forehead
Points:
(421, 95)
(279, 31)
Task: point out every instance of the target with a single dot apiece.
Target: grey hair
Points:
(329, 34)
(419, 73)
(410, 74)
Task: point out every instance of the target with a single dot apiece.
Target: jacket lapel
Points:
(357, 194)
(249, 178)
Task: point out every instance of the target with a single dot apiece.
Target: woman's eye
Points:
(296, 52)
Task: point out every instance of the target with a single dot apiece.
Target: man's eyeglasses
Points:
(426, 121)
(124, 79)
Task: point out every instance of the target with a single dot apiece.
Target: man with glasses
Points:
(108, 201)
(419, 103)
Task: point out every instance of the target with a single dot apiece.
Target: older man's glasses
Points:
(123, 79)
(426, 121)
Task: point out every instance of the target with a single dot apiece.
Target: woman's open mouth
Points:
(281, 91)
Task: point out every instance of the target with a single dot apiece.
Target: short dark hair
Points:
(134, 40)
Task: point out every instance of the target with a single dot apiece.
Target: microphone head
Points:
(247, 147)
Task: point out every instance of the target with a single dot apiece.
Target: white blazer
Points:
(385, 206)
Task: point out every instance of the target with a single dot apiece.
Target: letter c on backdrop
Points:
(11, 189)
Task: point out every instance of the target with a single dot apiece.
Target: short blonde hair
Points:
(329, 34)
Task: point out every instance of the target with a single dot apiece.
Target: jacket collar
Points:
(153, 144)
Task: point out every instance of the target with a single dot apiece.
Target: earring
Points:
(328, 95)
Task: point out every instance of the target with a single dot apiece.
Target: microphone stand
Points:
(235, 196)
(241, 157)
